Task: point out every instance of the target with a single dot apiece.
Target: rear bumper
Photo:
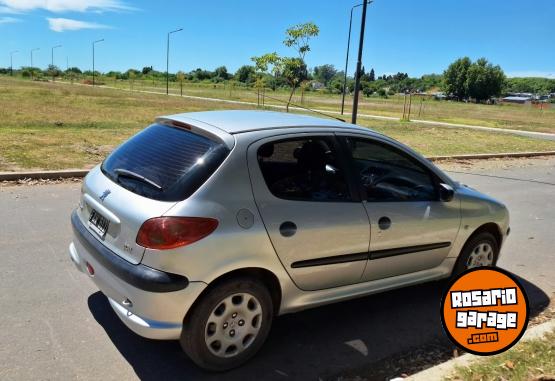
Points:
(150, 302)
(140, 276)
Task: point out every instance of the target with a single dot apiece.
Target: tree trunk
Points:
(293, 88)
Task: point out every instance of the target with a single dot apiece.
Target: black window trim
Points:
(341, 137)
(354, 192)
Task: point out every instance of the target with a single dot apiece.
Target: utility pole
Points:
(347, 58)
(359, 63)
(168, 60)
(11, 61)
(94, 42)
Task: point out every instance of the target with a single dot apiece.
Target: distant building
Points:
(317, 85)
(525, 95)
(439, 96)
(517, 99)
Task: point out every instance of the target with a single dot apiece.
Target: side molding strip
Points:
(365, 256)
(331, 260)
(378, 254)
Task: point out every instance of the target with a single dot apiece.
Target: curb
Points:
(441, 371)
(492, 155)
(44, 175)
(68, 173)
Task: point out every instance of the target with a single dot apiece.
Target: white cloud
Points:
(531, 73)
(8, 20)
(61, 24)
(17, 6)
(4, 9)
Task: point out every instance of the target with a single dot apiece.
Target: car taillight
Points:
(164, 233)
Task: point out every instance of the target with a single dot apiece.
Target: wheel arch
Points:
(268, 278)
(489, 227)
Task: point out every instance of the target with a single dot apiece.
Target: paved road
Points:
(56, 325)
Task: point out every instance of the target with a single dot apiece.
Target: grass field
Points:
(527, 361)
(510, 116)
(55, 126)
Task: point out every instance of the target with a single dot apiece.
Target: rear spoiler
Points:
(199, 128)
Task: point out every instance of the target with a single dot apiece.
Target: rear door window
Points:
(304, 169)
(164, 163)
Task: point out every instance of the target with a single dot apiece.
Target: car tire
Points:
(228, 313)
(482, 245)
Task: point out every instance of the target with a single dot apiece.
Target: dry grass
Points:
(510, 116)
(528, 360)
(54, 126)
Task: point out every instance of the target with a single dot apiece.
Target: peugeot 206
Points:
(205, 226)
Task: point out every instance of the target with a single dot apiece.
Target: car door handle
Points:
(287, 229)
(384, 223)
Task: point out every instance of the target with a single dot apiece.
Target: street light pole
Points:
(347, 58)
(32, 50)
(11, 61)
(52, 55)
(52, 61)
(359, 63)
(94, 42)
(168, 60)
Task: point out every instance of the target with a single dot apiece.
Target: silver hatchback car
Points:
(204, 226)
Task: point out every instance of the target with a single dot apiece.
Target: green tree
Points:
(74, 69)
(53, 71)
(455, 76)
(293, 69)
(484, 80)
(200, 74)
(336, 84)
(530, 85)
(221, 74)
(372, 75)
(324, 73)
(246, 74)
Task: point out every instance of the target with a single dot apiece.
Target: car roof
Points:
(238, 121)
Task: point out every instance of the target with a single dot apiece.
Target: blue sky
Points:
(416, 37)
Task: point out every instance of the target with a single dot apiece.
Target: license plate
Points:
(98, 223)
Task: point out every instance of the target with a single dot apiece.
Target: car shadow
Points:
(354, 336)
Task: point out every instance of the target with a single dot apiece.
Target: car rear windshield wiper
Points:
(136, 176)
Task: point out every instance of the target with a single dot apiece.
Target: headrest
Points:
(312, 156)
(266, 150)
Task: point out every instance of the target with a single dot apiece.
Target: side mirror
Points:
(446, 192)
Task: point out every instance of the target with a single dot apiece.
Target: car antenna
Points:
(303, 107)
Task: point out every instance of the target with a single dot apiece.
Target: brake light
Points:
(181, 124)
(163, 233)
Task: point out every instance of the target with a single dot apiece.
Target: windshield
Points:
(164, 163)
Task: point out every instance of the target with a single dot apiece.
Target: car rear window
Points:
(164, 163)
